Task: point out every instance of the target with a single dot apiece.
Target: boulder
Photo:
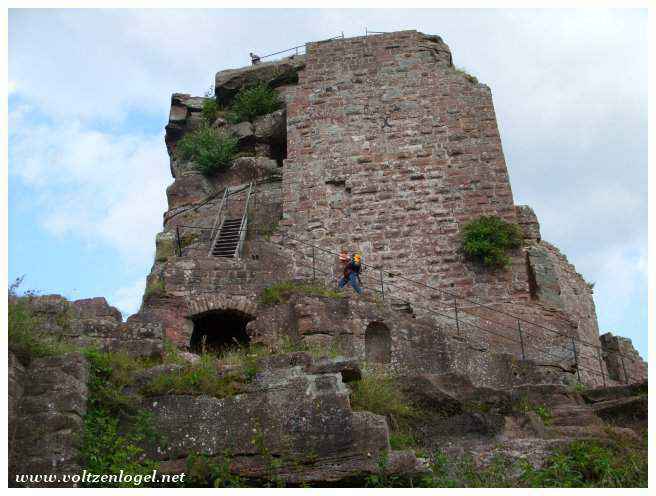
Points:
(275, 73)
(243, 131)
(96, 308)
(52, 406)
(188, 188)
(302, 419)
(452, 394)
(249, 168)
(185, 115)
(93, 322)
(271, 128)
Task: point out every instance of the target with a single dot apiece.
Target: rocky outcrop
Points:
(528, 221)
(623, 406)
(185, 115)
(296, 412)
(524, 422)
(275, 73)
(624, 363)
(48, 399)
(92, 322)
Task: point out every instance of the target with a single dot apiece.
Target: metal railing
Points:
(243, 227)
(377, 282)
(299, 47)
(218, 222)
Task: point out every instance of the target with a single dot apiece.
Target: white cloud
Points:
(620, 275)
(104, 64)
(128, 298)
(106, 189)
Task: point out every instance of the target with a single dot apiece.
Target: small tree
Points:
(210, 149)
(254, 101)
(488, 239)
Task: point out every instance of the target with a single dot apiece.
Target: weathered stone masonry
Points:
(389, 149)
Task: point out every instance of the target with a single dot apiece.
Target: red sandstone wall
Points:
(390, 150)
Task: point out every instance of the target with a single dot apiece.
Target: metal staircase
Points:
(228, 239)
(228, 234)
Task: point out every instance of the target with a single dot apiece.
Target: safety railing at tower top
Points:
(460, 311)
(298, 50)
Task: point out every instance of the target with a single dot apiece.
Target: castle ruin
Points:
(382, 146)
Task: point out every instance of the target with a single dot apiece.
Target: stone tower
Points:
(383, 146)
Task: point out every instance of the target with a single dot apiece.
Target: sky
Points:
(89, 95)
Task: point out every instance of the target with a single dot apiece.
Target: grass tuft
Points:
(199, 378)
(280, 292)
(378, 392)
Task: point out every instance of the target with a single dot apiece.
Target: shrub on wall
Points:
(254, 101)
(488, 239)
(210, 149)
(210, 110)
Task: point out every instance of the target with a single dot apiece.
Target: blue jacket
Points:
(352, 267)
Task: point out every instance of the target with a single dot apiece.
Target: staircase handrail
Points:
(244, 222)
(214, 234)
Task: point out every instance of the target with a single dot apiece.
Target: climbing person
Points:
(352, 273)
(343, 258)
(254, 58)
(341, 262)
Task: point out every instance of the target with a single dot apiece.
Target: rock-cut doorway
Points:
(218, 330)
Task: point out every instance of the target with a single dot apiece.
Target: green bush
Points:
(24, 338)
(488, 239)
(462, 472)
(211, 150)
(108, 448)
(254, 101)
(210, 111)
(115, 428)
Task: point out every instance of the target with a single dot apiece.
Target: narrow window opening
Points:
(378, 343)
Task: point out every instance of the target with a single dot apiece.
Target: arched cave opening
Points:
(218, 330)
(377, 343)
